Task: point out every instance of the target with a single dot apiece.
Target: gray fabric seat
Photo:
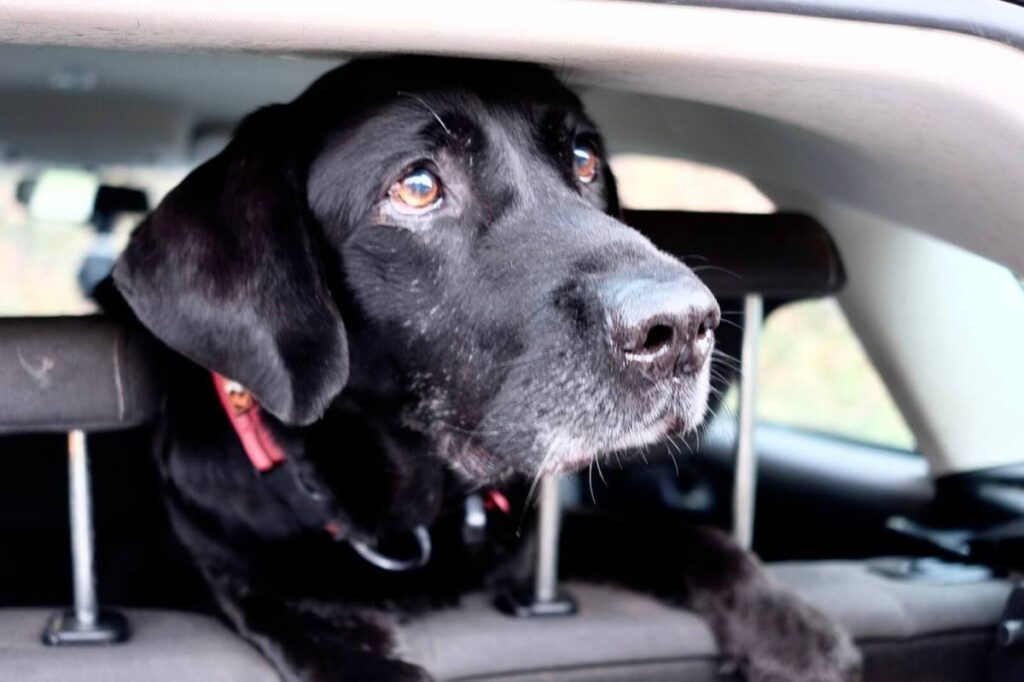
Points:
(165, 646)
(909, 632)
(87, 373)
(614, 631)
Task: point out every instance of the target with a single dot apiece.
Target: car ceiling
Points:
(99, 106)
(914, 124)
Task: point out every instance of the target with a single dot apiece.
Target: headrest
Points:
(64, 373)
(778, 255)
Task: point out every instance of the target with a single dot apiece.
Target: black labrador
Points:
(403, 290)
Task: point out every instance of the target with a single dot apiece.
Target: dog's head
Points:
(459, 216)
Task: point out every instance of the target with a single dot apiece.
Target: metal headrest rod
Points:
(86, 623)
(545, 599)
(745, 471)
(549, 525)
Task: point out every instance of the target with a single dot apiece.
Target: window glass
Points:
(814, 374)
(651, 182)
(42, 260)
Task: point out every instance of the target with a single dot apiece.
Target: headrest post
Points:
(544, 599)
(745, 471)
(82, 555)
(548, 527)
(84, 623)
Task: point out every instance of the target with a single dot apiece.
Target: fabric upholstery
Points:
(64, 373)
(874, 607)
(909, 633)
(925, 632)
(166, 646)
(613, 628)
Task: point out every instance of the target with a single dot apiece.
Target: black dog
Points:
(499, 323)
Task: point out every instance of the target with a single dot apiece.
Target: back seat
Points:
(73, 373)
(165, 646)
(908, 632)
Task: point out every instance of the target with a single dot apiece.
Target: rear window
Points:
(40, 260)
(815, 375)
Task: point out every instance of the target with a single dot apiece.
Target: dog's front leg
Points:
(766, 630)
(772, 634)
(311, 641)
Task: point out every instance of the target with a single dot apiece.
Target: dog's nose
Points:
(663, 328)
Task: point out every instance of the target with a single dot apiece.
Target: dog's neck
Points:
(381, 474)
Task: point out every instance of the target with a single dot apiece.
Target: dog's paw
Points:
(776, 637)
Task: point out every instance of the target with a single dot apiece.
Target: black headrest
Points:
(782, 256)
(110, 199)
(64, 373)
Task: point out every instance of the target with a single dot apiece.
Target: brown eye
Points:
(585, 162)
(418, 191)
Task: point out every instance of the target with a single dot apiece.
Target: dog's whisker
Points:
(689, 447)
(730, 322)
(590, 479)
(675, 463)
(726, 360)
(718, 268)
(719, 377)
(422, 102)
(728, 364)
(725, 357)
(600, 473)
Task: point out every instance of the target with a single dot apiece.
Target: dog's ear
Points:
(226, 272)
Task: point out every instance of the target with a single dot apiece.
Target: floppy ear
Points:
(225, 272)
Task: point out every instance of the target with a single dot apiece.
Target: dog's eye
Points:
(585, 162)
(419, 191)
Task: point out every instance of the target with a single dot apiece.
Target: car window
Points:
(652, 182)
(814, 374)
(42, 260)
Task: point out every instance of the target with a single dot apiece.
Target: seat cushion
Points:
(907, 631)
(165, 646)
(616, 635)
(874, 607)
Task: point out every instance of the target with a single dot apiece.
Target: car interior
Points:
(892, 180)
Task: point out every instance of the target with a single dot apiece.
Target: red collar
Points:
(246, 419)
(313, 509)
(282, 478)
